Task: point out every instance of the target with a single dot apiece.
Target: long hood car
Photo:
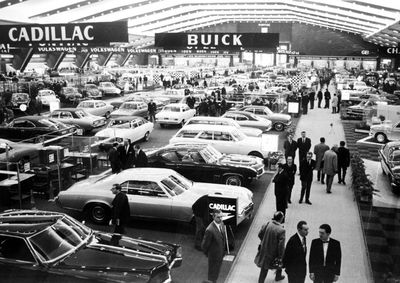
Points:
(153, 193)
(141, 97)
(202, 162)
(247, 119)
(51, 246)
(175, 114)
(389, 156)
(358, 111)
(32, 129)
(279, 121)
(131, 108)
(96, 107)
(133, 128)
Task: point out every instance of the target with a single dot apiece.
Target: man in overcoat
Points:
(330, 167)
(319, 151)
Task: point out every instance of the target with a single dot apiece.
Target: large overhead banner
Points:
(64, 34)
(218, 41)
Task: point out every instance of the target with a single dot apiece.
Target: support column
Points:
(274, 58)
(240, 57)
(397, 63)
(254, 59)
(231, 61)
(53, 60)
(122, 58)
(160, 60)
(22, 59)
(81, 59)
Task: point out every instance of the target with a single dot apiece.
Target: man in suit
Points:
(152, 109)
(343, 155)
(294, 259)
(139, 157)
(319, 96)
(281, 189)
(190, 101)
(290, 147)
(290, 170)
(330, 167)
(327, 96)
(214, 245)
(114, 158)
(311, 97)
(126, 154)
(319, 151)
(325, 257)
(304, 145)
(306, 177)
(120, 209)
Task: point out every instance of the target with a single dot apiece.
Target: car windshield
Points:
(131, 106)
(176, 184)
(48, 123)
(210, 154)
(172, 109)
(60, 239)
(81, 113)
(86, 104)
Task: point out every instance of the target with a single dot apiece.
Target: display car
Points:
(84, 121)
(108, 88)
(70, 94)
(387, 131)
(202, 162)
(96, 107)
(19, 98)
(141, 97)
(279, 121)
(131, 108)
(47, 96)
(247, 119)
(92, 91)
(43, 246)
(225, 139)
(208, 120)
(32, 128)
(389, 156)
(357, 111)
(153, 193)
(129, 127)
(174, 95)
(174, 114)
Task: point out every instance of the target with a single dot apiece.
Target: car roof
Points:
(245, 113)
(90, 100)
(207, 127)
(185, 146)
(67, 109)
(209, 118)
(177, 104)
(27, 222)
(34, 118)
(145, 173)
(252, 106)
(127, 118)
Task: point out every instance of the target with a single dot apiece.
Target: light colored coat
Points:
(330, 163)
(335, 101)
(272, 236)
(319, 151)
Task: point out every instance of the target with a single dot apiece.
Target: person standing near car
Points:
(319, 97)
(126, 154)
(290, 170)
(327, 96)
(120, 209)
(304, 145)
(152, 108)
(281, 181)
(114, 158)
(290, 147)
(190, 101)
(319, 151)
(139, 157)
(343, 155)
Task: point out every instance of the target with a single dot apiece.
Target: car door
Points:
(15, 131)
(147, 199)
(394, 134)
(142, 110)
(134, 133)
(243, 121)
(99, 109)
(222, 141)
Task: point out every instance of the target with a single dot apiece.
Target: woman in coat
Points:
(334, 104)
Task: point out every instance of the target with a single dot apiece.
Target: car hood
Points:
(239, 160)
(251, 132)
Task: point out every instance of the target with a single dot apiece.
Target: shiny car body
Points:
(175, 114)
(279, 121)
(131, 108)
(19, 98)
(141, 97)
(70, 94)
(357, 111)
(153, 193)
(109, 88)
(202, 162)
(47, 96)
(43, 246)
(247, 119)
(134, 128)
(386, 131)
(389, 156)
(96, 107)
(92, 91)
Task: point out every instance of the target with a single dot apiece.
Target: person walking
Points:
(200, 211)
(339, 96)
(319, 97)
(152, 109)
(306, 176)
(294, 258)
(114, 158)
(330, 167)
(311, 98)
(272, 246)
(334, 104)
(126, 154)
(327, 96)
(120, 209)
(343, 155)
(304, 103)
(325, 257)
(304, 145)
(319, 151)
(290, 170)
(281, 189)
(139, 157)
(290, 147)
(214, 245)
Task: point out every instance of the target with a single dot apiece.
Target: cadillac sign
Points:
(228, 206)
(217, 41)
(83, 33)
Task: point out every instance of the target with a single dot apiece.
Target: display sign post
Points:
(293, 107)
(228, 206)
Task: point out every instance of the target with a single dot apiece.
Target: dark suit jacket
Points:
(294, 259)
(126, 157)
(303, 147)
(113, 156)
(120, 208)
(290, 172)
(306, 170)
(214, 243)
(281, 184)
(333, 257)
(343, 157)
(290, 148)
(140, 160)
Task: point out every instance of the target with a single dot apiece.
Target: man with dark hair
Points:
(319, 96)
(319, 151)
(327, 96)
(290, 170)
(294, 259)
(126, 154)
(120, 209)
(190, 100)
(330, 167)
(281, 189)
(214, 245)
(304, 145)
(114, 158)
(139, 157)
(325, 257)
(306, 176)
(152, 109)
(343, 155)
(290, 147)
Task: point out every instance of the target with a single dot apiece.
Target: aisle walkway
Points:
(337, 209)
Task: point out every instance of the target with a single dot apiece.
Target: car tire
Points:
(233, 180)
(380, 137)
(146, 136)
(256, 153)
(98, 213)
(279, 127)
(107, 115)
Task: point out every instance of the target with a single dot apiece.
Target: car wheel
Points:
(146, 136)
(279, 127)
(107, 115)
(233, 180)
(99, 213)
(381, 137)
(256, 153)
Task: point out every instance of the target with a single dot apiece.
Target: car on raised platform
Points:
(279, 121)
(131, 108)
(44, 246)
(389, 156)
(386, 131)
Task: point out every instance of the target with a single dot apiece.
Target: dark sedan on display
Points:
(201, 162)
(40, 246)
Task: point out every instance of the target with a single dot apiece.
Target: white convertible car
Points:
(175, 114)
(133, 128)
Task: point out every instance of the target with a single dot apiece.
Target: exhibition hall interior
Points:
(200, 141)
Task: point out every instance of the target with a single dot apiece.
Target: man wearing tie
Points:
(294, 259)
(290, 147)
(214, 245)
(306, 176)
(325, 257)
(126, 154)
(304, 145)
